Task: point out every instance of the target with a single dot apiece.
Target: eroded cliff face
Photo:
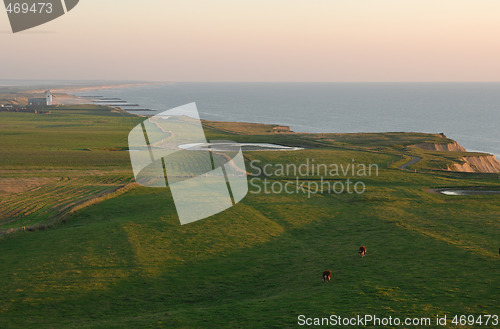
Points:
(451, 147)
(486, 163)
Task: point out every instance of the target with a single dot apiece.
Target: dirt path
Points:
(409, 163)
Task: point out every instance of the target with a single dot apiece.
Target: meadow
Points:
(98, 258)
(50, 163)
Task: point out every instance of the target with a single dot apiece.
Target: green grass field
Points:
(124, 261)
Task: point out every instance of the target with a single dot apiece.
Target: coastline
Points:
(335, 107)
(471, 140)
(79, 89)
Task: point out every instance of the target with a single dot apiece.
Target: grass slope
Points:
(127, 263)
(51, 163)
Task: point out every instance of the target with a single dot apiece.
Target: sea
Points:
(466, 112)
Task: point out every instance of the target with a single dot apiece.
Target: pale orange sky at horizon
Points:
(280, 40)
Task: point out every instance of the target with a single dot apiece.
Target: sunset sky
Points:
(257, 40)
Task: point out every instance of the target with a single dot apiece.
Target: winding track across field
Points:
(409, 163)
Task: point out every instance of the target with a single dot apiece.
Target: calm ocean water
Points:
(466, 112)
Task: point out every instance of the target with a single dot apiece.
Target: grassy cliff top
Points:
(101, 252)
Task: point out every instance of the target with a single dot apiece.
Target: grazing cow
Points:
(362, 251)
(327, 275)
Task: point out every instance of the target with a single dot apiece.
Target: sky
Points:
(260, 40)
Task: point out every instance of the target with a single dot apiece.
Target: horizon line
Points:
(238, 81)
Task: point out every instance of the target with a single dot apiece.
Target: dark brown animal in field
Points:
(362, 251)
(327, 275)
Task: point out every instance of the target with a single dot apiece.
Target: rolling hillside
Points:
(123, 261)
